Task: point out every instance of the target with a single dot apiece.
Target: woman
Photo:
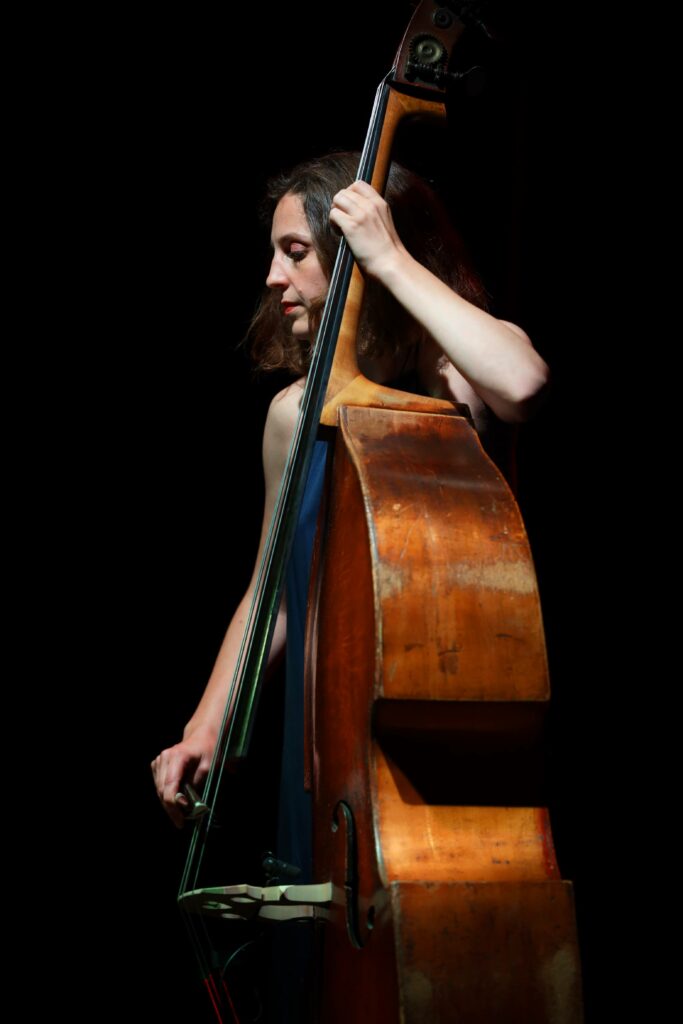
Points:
(422, 297)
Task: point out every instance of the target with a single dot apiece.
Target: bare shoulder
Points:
(283, 412)
(280, 422)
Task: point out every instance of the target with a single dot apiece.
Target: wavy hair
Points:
(385, 327)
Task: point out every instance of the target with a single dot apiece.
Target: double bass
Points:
(437, 894)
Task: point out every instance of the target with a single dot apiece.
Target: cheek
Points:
(319, 288)
(310, 288)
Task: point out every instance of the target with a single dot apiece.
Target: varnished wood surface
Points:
(399, 574)
(347, 386)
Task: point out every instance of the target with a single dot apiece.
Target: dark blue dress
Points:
(290, 990)
(294, 822)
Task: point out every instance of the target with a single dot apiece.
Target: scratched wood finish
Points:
(430, 683)
(512, 955)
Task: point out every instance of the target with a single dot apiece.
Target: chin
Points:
(300, 330)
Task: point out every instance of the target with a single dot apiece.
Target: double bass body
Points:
(428, 675)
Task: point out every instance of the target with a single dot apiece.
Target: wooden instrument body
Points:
(428, 673)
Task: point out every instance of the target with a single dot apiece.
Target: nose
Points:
(277, 278)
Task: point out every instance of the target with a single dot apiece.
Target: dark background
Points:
(160, 136)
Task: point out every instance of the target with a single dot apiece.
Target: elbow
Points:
(526, 393)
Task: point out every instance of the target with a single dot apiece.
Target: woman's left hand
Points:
(366, 222)
(492, 358)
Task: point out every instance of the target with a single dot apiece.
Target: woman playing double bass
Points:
(423, 329)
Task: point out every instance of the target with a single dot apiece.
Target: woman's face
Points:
(295, 270)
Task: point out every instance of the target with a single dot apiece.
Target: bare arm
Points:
(189, 760)
(495, 358)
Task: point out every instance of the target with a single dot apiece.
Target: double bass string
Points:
(238, 719)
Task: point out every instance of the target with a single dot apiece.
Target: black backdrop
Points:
(162, 135)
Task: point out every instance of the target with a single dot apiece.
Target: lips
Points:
(287, 307)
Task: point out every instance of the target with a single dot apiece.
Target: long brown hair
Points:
(424, 228)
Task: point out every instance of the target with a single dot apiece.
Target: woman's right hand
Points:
(188, 761)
